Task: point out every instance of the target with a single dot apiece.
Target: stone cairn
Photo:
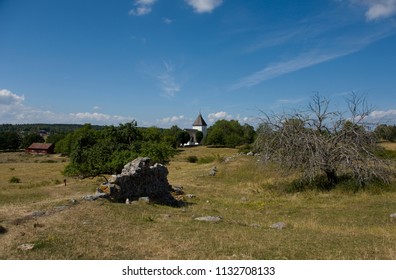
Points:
(139, 179)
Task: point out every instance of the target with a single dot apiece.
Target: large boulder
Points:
(141, 179)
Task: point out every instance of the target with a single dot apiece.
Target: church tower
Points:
(200, 124)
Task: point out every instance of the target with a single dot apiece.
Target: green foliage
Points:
(229, 134)
(386, 132)
(160, 152)
(192, 159)
(94, 152)
(14, 180)
(30, 139)
(9, 140)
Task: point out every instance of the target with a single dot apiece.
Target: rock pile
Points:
(139, 179)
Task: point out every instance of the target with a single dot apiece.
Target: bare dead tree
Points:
(319, 141)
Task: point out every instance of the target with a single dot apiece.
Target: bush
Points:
(192, 159)
(14, 180)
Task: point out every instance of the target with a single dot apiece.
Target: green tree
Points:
(9, 140)
(30, 139)
(229, 133)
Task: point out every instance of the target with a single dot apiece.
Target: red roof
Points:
(40, 146)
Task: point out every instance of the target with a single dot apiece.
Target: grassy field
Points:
(249, 197)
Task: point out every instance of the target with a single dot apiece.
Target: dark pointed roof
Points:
(200, 121)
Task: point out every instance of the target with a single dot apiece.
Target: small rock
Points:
(279, 225)
(255, 225)
(127, 201)
(2, 230)
(250, 154)
(26, 247)
(190, 195)
(178, 190)
(73, 201)
(393, 217)
(213, 171)
(144, 199)
(61, 208)
(209, 219)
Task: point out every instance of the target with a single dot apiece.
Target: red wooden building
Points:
(41, 148)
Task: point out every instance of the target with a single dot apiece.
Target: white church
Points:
(198, 125)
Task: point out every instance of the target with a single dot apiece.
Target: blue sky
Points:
(161, 62)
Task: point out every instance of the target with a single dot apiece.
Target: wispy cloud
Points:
(167, 80)
(167, 20)
(142, 7)
(204, 6)
(378, 9)
(324, 49)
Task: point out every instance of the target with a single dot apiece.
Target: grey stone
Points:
(279, 225)
(94, 196)
(178, 190)
(140, 179)
(250, 154)
(144, 199)
(190, 195)
(209, 219)
(26, 247)
(213, 171)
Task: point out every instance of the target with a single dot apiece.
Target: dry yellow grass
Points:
(248, 197)
(389, 146)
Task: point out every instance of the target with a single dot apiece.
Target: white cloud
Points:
(378, 9)
(388, 116)
(143, 7)
(213, 117)
(9, 98)
(13, 110)
(170, 120)
(204, 6)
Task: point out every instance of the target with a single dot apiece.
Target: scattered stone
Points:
(190, 195)
(178, 190)
(255, 225)
(393, 217)
(61, 208)
(26, 247)
(279, 225)
(209, 219)
(3, 230)
(73, 201)
(127, 201)
(213, 171)
(38, 213)
(250, 154)
(94, 196)
(144, 199)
